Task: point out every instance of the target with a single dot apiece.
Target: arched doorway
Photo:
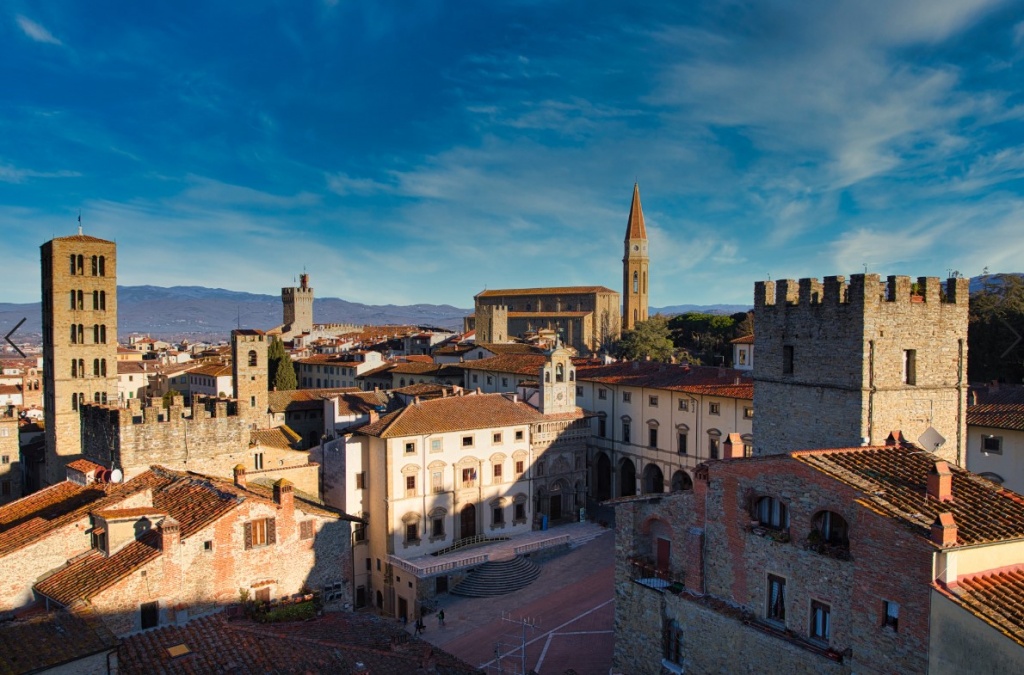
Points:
(380, 600)
(627, 478)
(467, 519)
(560, 500)
(681, 481)
(603, 479)
(654, 481)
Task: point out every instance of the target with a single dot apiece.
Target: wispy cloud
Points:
(12, 174)
(36, 31)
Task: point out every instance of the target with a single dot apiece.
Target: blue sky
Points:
(409, 152)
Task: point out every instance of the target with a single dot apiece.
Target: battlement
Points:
(297, 292)
(203, 408)
(861, 290)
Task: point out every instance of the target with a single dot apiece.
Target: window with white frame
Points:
(602, 394)
(820, 628)
(991, 445)
(627, 397)
(772, 513)
(775, 609)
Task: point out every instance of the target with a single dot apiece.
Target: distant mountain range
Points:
(204, 314)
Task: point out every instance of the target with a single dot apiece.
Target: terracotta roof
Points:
(557, 290)
(418, 358)
(10, 388)
(509, 347)
(49, 639)
(996, 598)
(248, 331)
(1000, 407)
(282, 437)
(85, 466)
(89, 574)
(212, 370)
(743, 340)
(635, 228)
(82, 238)
(333, 643)
(109, 514)
(360, 403)
(704, 380)
(519, 364)
(454, 413)
(527, 315)
(379, 370)
(422, 389)
(302, 399)
(894, 480)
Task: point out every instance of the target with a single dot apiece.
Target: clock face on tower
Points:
(635, 247)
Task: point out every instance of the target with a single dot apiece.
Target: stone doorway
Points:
(467, 519)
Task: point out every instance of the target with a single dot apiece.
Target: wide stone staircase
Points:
(498, 578)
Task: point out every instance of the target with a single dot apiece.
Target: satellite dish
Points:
(116, 476)
(931, 440)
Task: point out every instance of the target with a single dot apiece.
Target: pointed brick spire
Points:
(635, 228)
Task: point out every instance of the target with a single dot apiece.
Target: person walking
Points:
(419, 626)
(440, 618)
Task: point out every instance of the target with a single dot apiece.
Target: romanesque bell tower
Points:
(558, 382)
(634, 266)
(249, 371)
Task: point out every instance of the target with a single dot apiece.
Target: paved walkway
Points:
(571, 605)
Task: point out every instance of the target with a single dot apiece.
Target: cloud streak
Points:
(36, 31)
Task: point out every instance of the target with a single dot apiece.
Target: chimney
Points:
(170, 534)
(940, 482)
(895, 439)
(733, 446)
(240, 476)
(373, 415)
(974, 397)
(283, 495)
(944, 530)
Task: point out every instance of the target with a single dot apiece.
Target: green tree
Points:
(280, 371)
(165, 400)
(996, 320)
(650, 339)
(707, 336)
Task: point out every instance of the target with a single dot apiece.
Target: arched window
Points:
(95, 266)
(74, 368)
(72, 264)
(73, 306)
(772, 513)
(252, 357)
(547, 375)
(96, 333)
(103, 334)
(103, 266)
(81, 264)
(74, 334)
(559, 373)
(96, 397)
(74, 401)
(831, 529)
(714, 443)
(572, 375)
(103, 300)
(103, 367)
(636, 282)
(645, 282)
(96, 367)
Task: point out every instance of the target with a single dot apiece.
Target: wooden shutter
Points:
(248, 536)
(306, 529)
(271, 531)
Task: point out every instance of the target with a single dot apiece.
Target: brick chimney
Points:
(170, 534)
(284, 495)
(895, 438)
(733, 446)
(240, 476)
(944, 530)
(940, 482)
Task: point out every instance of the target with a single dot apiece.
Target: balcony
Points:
(646, 573)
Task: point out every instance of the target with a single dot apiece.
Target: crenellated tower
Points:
(298, 307)
(634, 266)
(250, 372)
(843, 364)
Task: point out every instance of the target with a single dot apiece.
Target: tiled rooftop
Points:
(49, 639)
(334, 643)
(454, 413)
(302, 399)
(995, 597)
(519, 364)
(635, 228)
(743, 340)
(282, 437)
(558, 290)
(895, 481)
(999, 407)
(706, 380)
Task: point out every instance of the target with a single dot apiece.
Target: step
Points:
(498, 578)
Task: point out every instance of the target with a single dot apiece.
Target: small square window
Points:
(496, 438)
(467, 441)
(6, 459)
(519, 435)
(627, 396)
(602, 394)
(714, 408)
(748, 413)
(410, 448)
(435, 445)
(208, 545)
(684, 405)
(652, 401)
(476, 378)
(992, 445)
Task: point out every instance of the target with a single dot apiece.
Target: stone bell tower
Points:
(634, 266)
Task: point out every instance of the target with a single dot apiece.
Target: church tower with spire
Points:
(634, 266)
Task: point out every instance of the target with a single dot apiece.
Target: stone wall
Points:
(849, 343)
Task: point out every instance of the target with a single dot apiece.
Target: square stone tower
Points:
(79, 284)
(844, 364)
(250, 372)
(558, 382)
(298, 307)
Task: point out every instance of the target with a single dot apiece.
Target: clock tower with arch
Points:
(558, 382)
(634, 266)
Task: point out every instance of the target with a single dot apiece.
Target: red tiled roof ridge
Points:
(553, 290)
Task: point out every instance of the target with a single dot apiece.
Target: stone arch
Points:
(602, 477)
(653, 479)
(627, 478)
(681, 481)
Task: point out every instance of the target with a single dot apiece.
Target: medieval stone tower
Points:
(558, 382)
(634, 266)
(844, 364)
(79, 284)
(250, 372)
(491, 323)
(298, 307)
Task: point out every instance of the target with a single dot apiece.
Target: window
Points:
(208, 546)
(776, 605)
(469, 477)
(410, 486)
(257, 461)
(714, 408)
(579, 391)
(652, 437)
(5, 459)
(95, 266)
(504, 382)
(682, 443)
(820, 621)
(359, 535)
(467, 441)
(260, 533)
(748, 413)
(602, 394)
(410, 448)
(435, 445)
(832, 529)
(890, 614)
(412, 532)
(602, 427)
(672, 639)
(519, 435)
(559, 373)
(103, 266)
(787, 360)
(149, 614)
(520, 467)
(252, 357)
(519, 512)
(476, 378)
(496, 438)
(490, 380)
(497, 516)
(625, 432)
(306, 529)
(714, 445)
(538, 467)
(99, 538)
(771, 512)
(436, 482)
(684, 405)
(437, 527)
(910, 366)
(361, 480)
(992, 445)
(627, 396)
(652, 401)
